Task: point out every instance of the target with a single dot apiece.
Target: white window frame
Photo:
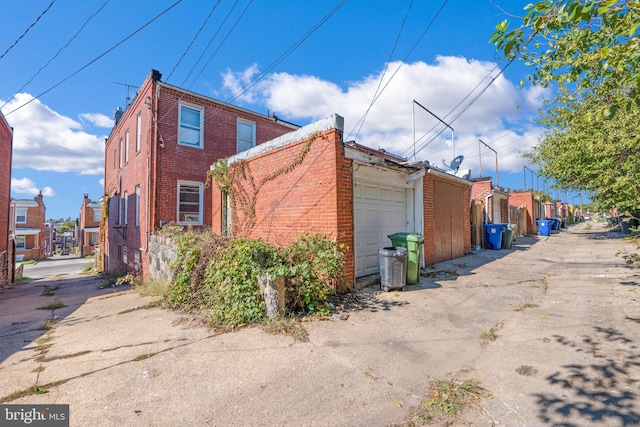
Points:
(21, 246)
(137, 204)
(193, 220)
(121, 153)
(18, 211)
(200, 129)
(138, 131)
(96, 214)
(252, 141)
(126, 208)
(126, 146)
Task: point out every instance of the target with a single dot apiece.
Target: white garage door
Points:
(379, 210)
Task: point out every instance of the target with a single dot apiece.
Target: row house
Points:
(89, 226)
(157, 158)
(6, 239)
(28, 224)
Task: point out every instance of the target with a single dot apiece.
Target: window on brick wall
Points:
(137, 207)
(125, 251)
(96, 215)
(190, 132)
(246, 135)
(226, 213)
(136, 260)
(190, 203)
(21, 243)
(138, 131)
(21, 215)
(126, 146)
(126, 207)
(121, 154)
(115, 157)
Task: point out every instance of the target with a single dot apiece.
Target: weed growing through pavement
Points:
(48, 325)
(53, 306)
(525, 306)
(491, 334)
(287, 326)
(49, 290)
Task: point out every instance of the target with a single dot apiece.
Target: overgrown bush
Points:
(218, 275)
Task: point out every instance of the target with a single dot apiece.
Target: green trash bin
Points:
(507, 236)
(413, 244)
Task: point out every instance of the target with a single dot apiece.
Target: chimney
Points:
(117, 116)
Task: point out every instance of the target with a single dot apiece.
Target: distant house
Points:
(496, 200)
(310, 180)
(28, 220)
(6, 239)
(89, 227)
(156, 162)
(534, 210)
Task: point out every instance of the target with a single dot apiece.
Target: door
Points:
(449, 221)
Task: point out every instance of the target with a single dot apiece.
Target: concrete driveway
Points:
(563, 311)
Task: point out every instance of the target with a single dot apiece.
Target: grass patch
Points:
(41, 389)
(49, 290)
(38, 369)
(287, 326)
(152, 304)
(155, 288)
(53, 306)
(447, 399)
(28, 262)
(48, 325)
(65, 356)
(525, 306)
(491, 334)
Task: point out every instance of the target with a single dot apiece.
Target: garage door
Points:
(379, 210)
(449, 221)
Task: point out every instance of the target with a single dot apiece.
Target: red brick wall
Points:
(6, 142)
(525, 199)
(161, 162)
(315, 196)
(480, 189)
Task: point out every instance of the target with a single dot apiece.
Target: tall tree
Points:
(589, 51)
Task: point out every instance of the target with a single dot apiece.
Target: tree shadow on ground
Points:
(604, 392)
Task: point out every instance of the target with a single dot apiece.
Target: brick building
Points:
(89, 226)
(310, 180)
(28, 219)
(496, 199)
(6, 240)
(535, 209)
(156, 162)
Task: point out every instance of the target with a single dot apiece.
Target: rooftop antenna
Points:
(128, 90)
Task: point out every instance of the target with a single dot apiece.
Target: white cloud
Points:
(47, 141)
(27, 187)
(98, 119)
(501, 114)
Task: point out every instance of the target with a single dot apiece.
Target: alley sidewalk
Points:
(564, 309)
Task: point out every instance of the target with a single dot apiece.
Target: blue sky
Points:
(302, 60)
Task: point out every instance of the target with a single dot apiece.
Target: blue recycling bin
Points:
(493, 236)
(555, 223)
(544, 227)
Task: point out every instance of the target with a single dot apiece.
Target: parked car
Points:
(64, 252)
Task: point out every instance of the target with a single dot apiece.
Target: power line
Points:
(194, 39)
(209, 44)
(402, 62)
(222, 42)
(27, 30)
(57, 53)
(96, 58)
(384, 72)
(287, 52)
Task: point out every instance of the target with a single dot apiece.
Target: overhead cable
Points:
(27, 30)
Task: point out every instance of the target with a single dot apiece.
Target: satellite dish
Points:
(455, 163)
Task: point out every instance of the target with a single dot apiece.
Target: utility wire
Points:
(209, 44)
(27, 30)
(96, 58)
(287, 52)
(384, 72)
(222, 42)
(58, 53)
(194, 39)
(444, 3)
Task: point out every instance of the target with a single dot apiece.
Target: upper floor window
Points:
(191, 126)
(21, 215)
(126, 146)
(246, 135)
(125, 202)
(96, 214)
(190, 202)
(121, 153)
(137, 207)
(138, 131)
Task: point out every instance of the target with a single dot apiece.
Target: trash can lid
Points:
(409, 237)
